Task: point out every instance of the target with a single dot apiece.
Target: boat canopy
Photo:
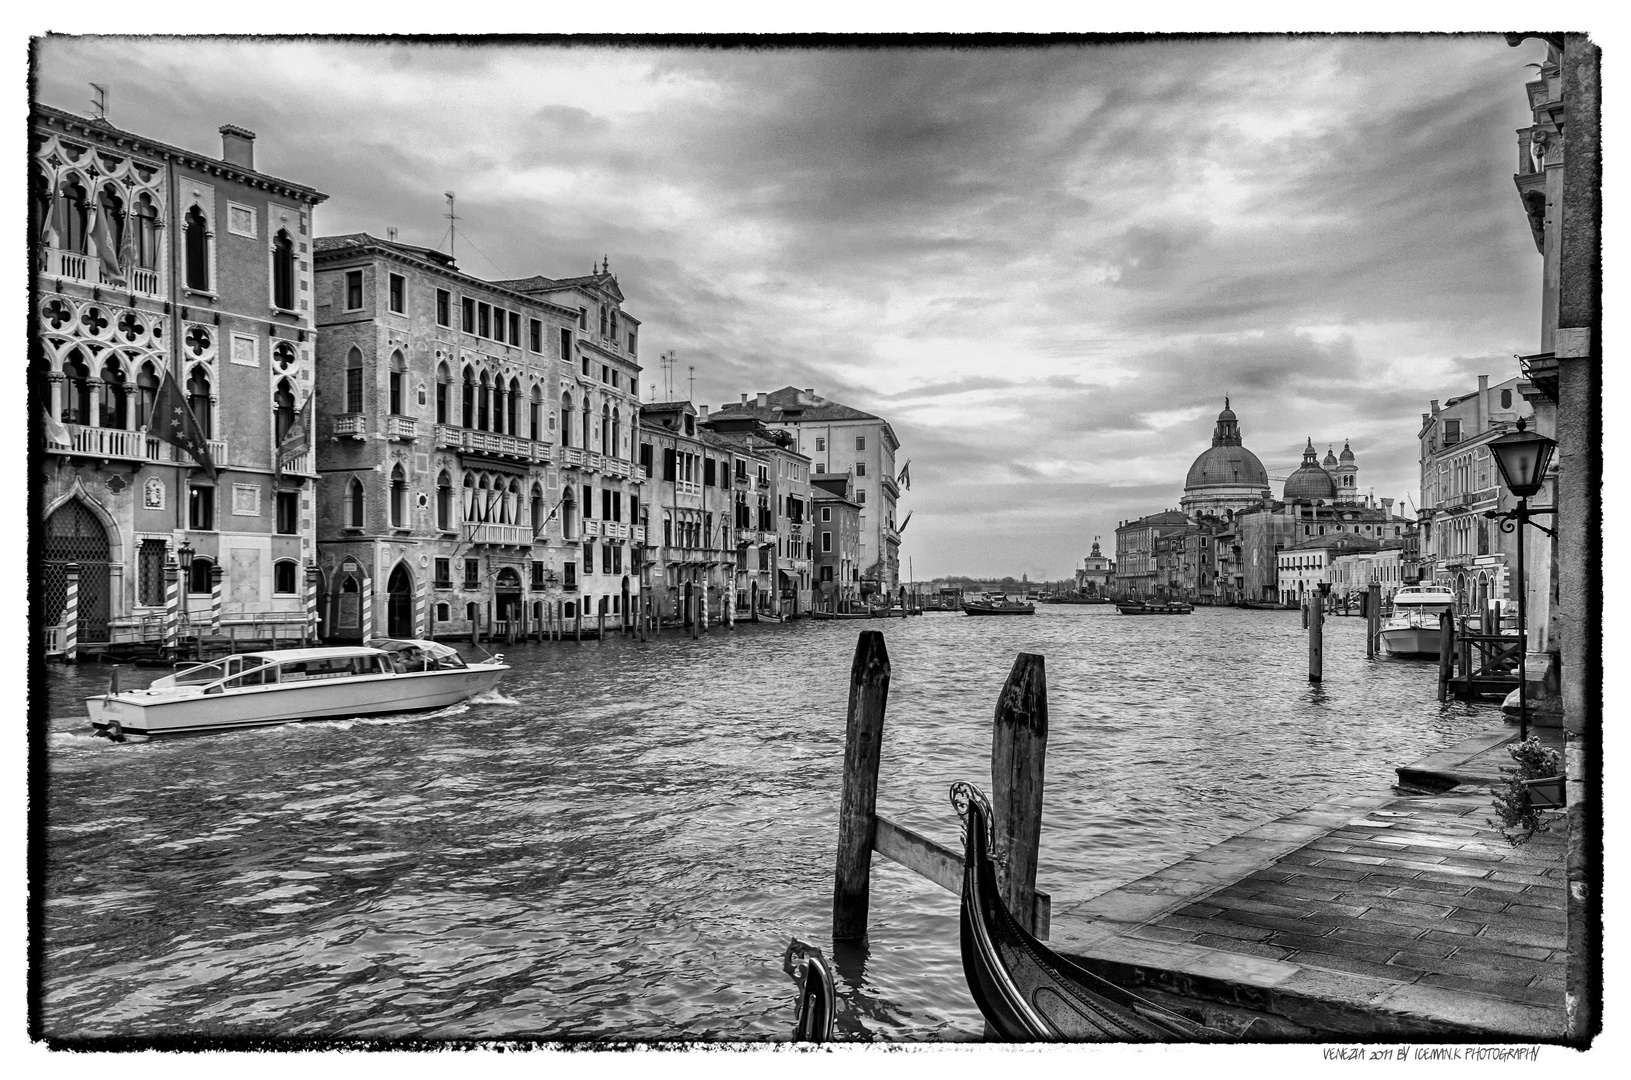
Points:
(420, 654)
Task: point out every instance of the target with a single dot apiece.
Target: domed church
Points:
(1226, 476)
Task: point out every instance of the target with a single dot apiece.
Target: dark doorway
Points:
(399, 608)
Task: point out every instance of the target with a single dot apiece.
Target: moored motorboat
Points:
(261, 688)
(997, 605)
(1136, 607)
(1026, 991)
(1413, 629)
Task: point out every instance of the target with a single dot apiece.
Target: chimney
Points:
(238, 146)
(1483, 403)
(704, 409)
(764, 401)
(744, 399)
(1434, 406)
(1387, 507)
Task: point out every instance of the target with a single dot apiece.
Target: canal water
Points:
(620, 842)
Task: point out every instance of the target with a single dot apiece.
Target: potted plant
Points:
(1530, 789)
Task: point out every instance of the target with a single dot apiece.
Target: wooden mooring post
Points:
(1446, 653)
(1373, 618)
(1018, 750)
(1316, 632)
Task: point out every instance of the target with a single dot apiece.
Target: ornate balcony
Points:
(471, 441)
(504, 535)
(594, 461)
(88, 269)
(618, 467)
(591, 527)
(351, 425)
(301, 465)
(614, 530)
(401, 427)
(572, 457)
(111, 443)
(639, 474)
(637, 533)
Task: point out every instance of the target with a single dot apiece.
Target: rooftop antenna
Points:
(666, 361)
(691, 390)
(390, 232)
(100, 101)
(451, 219)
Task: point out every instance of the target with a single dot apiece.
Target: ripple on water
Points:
(619, 842)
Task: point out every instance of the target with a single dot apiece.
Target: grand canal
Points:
(619, 844)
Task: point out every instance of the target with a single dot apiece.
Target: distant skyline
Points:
(1045, 267)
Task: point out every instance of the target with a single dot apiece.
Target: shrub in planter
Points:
(1519, 818)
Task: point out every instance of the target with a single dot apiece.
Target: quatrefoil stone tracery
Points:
(198, 340)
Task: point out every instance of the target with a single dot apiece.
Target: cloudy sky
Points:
(1045, 267)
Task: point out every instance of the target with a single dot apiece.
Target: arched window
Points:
(569, 508)
(443, 389)
(566, 419)
(73, 221)
(353, 380)
(470, 513)
(603, 320)
(512, 503)
(285, 576)
(283, 270)
(588, 426)
(399, 375)
(399, 498)
(1506, 399)
(355, 499)
(614, 326)
(512, 402)
(196, 243)
(444, 502)
(469, 399)
(282, 411)
(198, 400)
(114, 413)
(76, 391)
(484, 500)
(617, 433)
(198, 575)
(147, 393)
(483, 404)
(112, 209)
(147, 233)
(606, 430)
(535, 415)
(536, 509)
(498, 404)
(442, 611)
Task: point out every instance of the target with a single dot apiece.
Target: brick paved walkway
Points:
(1391, 913)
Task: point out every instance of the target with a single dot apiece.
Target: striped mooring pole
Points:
(421, 607)
(367, 609)
(702, 602)
(309, 636)
(217, 575)
(70, 618)
(172, 607)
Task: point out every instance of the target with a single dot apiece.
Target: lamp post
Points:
(1522, 457)
(184, 560)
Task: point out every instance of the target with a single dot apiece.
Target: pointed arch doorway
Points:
(399, 603)
(74, 534)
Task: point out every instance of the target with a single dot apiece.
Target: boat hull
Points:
(1155, 609)
(262, 706)
(1018, 609)
(1410, 641)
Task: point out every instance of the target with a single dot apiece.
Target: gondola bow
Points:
(1027, 992)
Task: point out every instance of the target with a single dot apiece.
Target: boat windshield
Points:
(408, 655)
(197, 676)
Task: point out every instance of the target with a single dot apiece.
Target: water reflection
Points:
(620, 842)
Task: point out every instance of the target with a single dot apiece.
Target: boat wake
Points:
(493, 697)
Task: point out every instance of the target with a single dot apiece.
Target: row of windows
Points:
(821, 443)
(125, 407)
(151, 561)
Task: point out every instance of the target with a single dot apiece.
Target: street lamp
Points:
(184, 561)
(1523, 458)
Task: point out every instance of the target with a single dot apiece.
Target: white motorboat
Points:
(1413, 629)
(260, 688)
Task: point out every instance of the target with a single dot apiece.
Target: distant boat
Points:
(997, 605)
(1413, 630)
(1136, 607)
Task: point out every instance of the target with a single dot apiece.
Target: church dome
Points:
(1330, 461)
(1347, 454)
(1310, 482)
(1226, 463)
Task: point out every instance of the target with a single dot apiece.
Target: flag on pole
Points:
(107, 249)
(298, 438)
(55, 433)
(905, 477)
(174, 422)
